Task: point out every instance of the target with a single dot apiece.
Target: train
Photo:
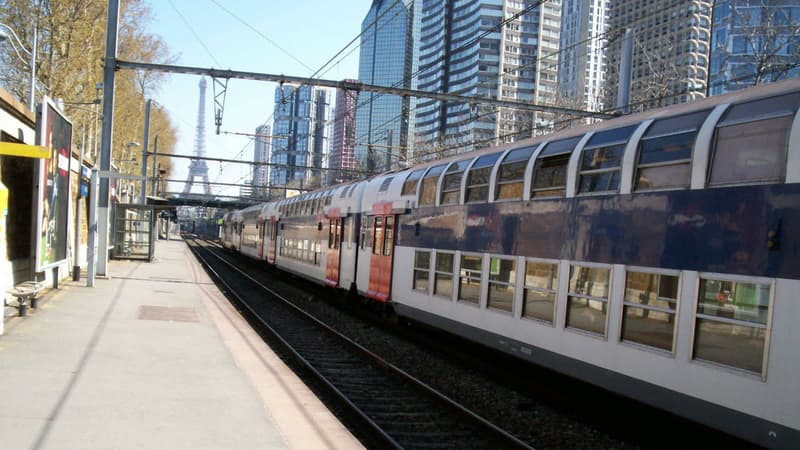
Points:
(656, 254)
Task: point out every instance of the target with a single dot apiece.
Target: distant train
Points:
(656, 255)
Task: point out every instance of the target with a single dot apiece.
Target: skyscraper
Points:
(670, 50)
(506, 49)
(753, 42)
(299, 137)
(261, 148)
(582, 62)
(341, 162)
(386, 59)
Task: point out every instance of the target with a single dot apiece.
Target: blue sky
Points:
(268, 37)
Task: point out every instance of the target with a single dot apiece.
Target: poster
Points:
(54, 132)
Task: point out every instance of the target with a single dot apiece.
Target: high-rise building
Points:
(753, 42)
(671, 41)
(299, 137)
(582, 62)
(341, 162)
(386, 59)
(499, 49)
(261, 155)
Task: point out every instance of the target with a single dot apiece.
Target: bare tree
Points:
(764, 45)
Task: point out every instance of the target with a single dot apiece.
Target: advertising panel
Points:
(54, 132)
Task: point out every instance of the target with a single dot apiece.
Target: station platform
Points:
(152, 357)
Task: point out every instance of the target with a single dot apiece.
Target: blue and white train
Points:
(656, 255)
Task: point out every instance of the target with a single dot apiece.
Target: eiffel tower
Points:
(198, 167)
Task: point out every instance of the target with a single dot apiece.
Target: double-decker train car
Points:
(655, 255)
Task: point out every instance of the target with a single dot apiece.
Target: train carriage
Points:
(649, 254)
(302, 236)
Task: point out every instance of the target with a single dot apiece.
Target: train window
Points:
(478, 178)
(422, 269)
(344, 191)
(665, 153)
(410, 185)
(550, 173)
(731, 327)
(388, 235)
(502, 280)
(328, 199)
(511, 174)
(761, 124)
(651, 301)
(377, 236)
(333, 234)
(451, 184)
(427, 193)
(469, 280)
(443, 276)
(541, 288)
(601, 160)
(385, 185)
(366, 226)
(587, 303)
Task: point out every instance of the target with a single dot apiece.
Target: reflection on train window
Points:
(478, 178)
(550, 172)
(601, 159)
(377, 236)
(385, 185)
(451, 182)
(469, 280)
(735, 162)
(366, 227)
(502, 279)
(665, 152)
(760, 124)
(388, 235)
(541, 286)
(731, 326)
(443, 275)
(651, 301)
(427, 193)
(410, 185)
(587, 303)
(422, 268)
(511, 174)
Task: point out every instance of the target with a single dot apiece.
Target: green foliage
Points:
(70, 48)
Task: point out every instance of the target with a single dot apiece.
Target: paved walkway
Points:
(152, 358)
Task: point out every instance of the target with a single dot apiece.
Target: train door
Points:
(273, 241)
(262, 228)
(380, 263)
(334, 251)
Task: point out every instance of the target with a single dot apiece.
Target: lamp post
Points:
(31, 53)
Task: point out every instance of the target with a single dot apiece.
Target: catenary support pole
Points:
(143, 191)
(91, 253)
(108, 126)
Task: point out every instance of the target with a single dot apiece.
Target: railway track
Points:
(392, 408)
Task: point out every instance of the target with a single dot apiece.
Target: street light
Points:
(5, 36)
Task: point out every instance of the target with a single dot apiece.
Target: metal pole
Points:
(76, 267)
(90, 251)
(155, 157)
(33, 71)
(108, 125)
(625, 66)
(144, 151)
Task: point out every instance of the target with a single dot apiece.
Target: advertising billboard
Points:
(54, 132)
